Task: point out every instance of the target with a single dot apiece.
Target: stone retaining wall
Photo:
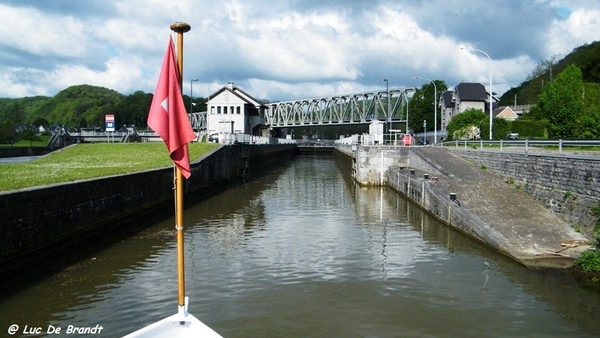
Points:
(568, 185)
(23, 151)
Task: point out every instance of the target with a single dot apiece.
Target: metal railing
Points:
(231, 138)
(526, 145)
(394, 139)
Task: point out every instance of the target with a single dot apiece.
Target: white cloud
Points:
(40, 34)
(282, 50)
(581, 27)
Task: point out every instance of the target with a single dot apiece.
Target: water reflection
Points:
(305, 252)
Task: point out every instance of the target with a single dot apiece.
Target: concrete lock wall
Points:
(436, 201)
(568, 185)
(370, 163)
(35, 218)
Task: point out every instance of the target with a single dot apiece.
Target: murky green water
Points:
(303, 253)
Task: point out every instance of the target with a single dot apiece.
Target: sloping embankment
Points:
(487, 208)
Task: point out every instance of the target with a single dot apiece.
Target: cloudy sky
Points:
(288, 49)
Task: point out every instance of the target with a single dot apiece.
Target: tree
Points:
(30, 135)
(465, 121)
(40, 121)
(561, 103)
(588, 124)
(133, 109)
(544, 67)
(15, 115)
(421, 106)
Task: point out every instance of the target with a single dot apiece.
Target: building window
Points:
(225, 110)
(238, 110)
(212, 110)
(219, 110)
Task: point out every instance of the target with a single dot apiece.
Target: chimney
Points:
(230, 85)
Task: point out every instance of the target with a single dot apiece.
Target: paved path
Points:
(528, 231)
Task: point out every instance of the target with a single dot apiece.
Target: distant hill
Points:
(80, 105)
(586, 57)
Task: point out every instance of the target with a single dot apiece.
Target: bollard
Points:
(452, 196)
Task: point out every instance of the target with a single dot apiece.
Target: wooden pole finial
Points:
(180, 27)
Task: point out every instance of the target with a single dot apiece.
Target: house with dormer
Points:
(232, 110)
(469, 95)
(447, 108)
(465, 96)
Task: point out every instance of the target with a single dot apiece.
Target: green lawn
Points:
(91, 160)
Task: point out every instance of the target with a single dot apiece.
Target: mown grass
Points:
(84, 161)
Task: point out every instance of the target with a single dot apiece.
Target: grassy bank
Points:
(90, 160)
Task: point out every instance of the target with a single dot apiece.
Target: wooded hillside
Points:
(586, 57)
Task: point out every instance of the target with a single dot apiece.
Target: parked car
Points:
(214, 137)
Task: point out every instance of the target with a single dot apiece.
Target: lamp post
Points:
(434, 107)
(191, 93)
(491, 95)
(406, 98)
(387, 92)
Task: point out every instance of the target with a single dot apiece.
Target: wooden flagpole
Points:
(180, 28)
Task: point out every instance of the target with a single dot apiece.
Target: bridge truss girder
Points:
(343, 109)
(198, 121)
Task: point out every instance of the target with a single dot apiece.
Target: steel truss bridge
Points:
(342, 109)
(198, 121)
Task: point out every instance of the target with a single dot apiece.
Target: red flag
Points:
(168, 117)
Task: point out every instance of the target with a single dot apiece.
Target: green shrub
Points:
(596, 231)
(589, 261)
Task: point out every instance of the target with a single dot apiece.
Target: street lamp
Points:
(387, 92)
(491, 93)
(406, 98)
(191, 93)
(434, 107)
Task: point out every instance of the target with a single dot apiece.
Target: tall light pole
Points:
(434, 106)
(191, 93)
(491, 95)
(387, 92)
(406, 98)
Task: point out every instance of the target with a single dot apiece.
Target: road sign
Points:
(110, 122)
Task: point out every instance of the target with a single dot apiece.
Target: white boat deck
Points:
(179, 325)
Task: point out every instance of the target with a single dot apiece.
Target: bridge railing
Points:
(526, 145)
(315, 143)
(231, 138)
(393, 139)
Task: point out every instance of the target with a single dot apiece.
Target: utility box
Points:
(376, 131)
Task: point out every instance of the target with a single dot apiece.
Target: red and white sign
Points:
(110, 122)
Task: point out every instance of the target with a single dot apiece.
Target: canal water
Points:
(303, 252)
